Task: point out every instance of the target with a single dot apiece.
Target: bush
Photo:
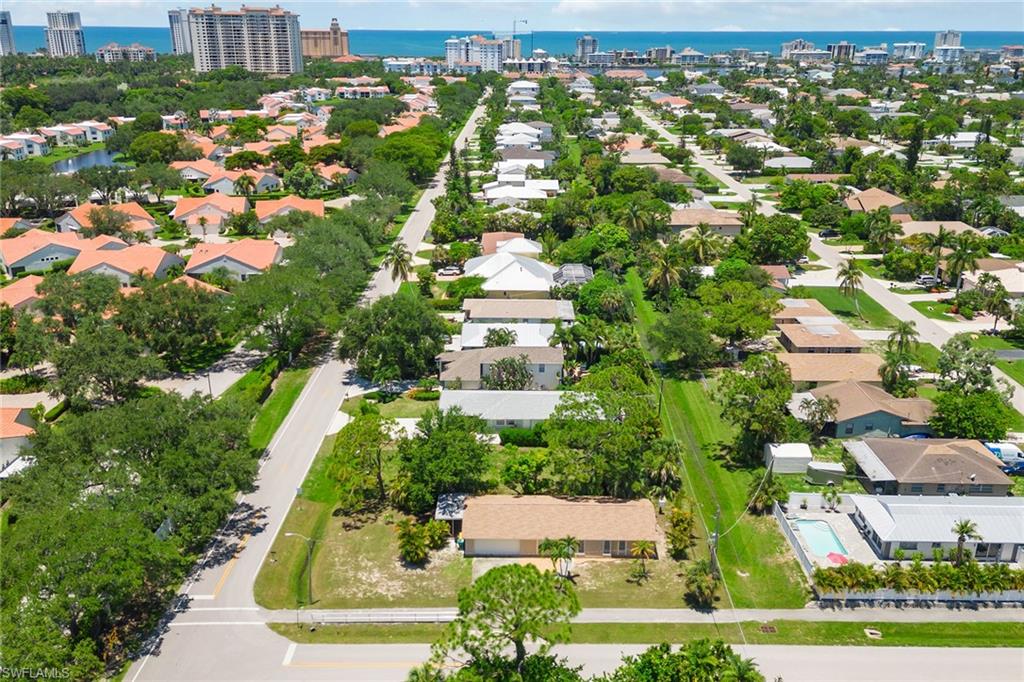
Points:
(437, 533)
(526, 438)
(446, 304)
(56, 411)
(412, 542)
(426, 395)
(256, 385)
(22, 383)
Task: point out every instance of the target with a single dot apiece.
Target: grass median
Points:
(788, 632)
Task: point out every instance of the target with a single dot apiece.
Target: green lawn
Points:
(61, 153)
(872, 314)
(997, 342)
(872, 266)
(933, 309)
(287, 387)
(1013, 368)
(398, 408)
(974, 634)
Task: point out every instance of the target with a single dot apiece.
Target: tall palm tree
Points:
(203, 222)
(904, 337)
(748, 211)
(398, 260)
(636, 220)
(643, 550)
(851, 279)
(561, 552)
(882, 229)
(666, 271)
(942, 239)
(967, 249)
(245, 185)
(704, 244)
(964, 530)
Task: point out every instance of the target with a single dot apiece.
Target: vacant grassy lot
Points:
(872, 314)
(771, 632)
(398, 408)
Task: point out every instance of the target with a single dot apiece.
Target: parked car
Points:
(450, 271)
(828, 233)
(926, 280)
(1014, 469)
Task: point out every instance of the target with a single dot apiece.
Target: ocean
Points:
(431, 43)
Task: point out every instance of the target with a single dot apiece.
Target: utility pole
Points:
(713, 542)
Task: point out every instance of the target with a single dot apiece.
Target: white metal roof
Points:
(898, 518)
(527, 333)
(532, 405)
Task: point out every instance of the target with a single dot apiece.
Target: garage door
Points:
(496, 548)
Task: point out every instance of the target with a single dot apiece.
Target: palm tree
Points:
(398, 260)
(748, 211)
(245, 185)
(549, 241)
(636, 221)
(666, 270)
(882, 229)
(704, 244)
(942, 239)
(895, 375)
(203, 222)
(561, 552)
(904, 337)
(851, 278)
(643, 550)
(995, 300)
(964, 530)
(701, 583)
(967, 249)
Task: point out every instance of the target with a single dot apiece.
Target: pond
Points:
(99, 157)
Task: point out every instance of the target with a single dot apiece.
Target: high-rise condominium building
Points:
(947, 39)
(842, 51)
(64, 36)
(910, 51)
(332, 42)
(798, 45)
(113, 52)
(474, 53)
(586, 45)
(181, 39)
(257, 39)
(6, 34)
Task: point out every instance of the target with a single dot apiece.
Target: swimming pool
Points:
(820, 537)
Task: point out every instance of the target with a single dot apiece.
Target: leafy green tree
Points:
(561, 551)
(738, 312)
(683, 336)
(665, 271)
(158, 177)
(302, 181)
(281, 308)
(765, 491)
(248, 128)
(981, 415)
(704, 244)
(895, 373)
(30, 344)
(386, 179)
(288, 156)
(106, 181)
(773, 240)
(412, 542)
(904, 337)
(509, 606)
(244, 160)
(69, 300)
(964, 366)
(397, 337)
(701, 584)
(913, 152)
(103, 364)
(108, 221)
(680, 533)
(967, 249)
(523, 471)
(155, 148)
(509, 374)
(882, 229)
(361, 448)
(705, 660)
(444, 457)
(744, 158)
(754, 399)
(363, 128)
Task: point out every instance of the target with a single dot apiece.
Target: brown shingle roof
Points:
(518, 308)
(465, 364)
(872, 199)
(830, 335)
(857, 399)
(937, 460)
(535, 517)
(814, 367)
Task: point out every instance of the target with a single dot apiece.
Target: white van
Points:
(1008, 453)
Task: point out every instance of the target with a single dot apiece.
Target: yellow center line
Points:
(230, 567)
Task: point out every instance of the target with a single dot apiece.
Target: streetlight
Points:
(309, 561)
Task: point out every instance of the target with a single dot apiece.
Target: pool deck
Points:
(857, 548)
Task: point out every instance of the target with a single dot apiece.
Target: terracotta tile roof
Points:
(21, 292)
(132, 209)
(489, 240)
(410, 119)
(135, 258)
(272, 207)
(10, 426)
(30, 241)
(202, 165)
(194, 283)
(222, 203)
(872, 199)
(13, 223)
(535, 517)
(327, 172)
(258, 254)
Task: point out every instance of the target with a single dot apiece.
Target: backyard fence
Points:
(787, 530)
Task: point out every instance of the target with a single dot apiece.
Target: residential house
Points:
(489, 241)
(125, 264)
(226, 182)
(912, 227)
(524, 156)
(16, 425)
(200, 169)
(64, 135)
(532, 310)
(812, 369)
(334, 175)
(469, 369)
(241, 259)
(779, 275)
(928, 466)
(819, 338)
(35, 145)
(863, 408)
(527, 334)
(960, 140)
(873, 198)
(726, 223)
(514, 526)
(672, 175)
(789, 163)
(15, 224)
(527, 88)
(21, 294)
(803, 311)
(921, 525)
(1010, 274)
(272, 208)
(140, 222)
(38, 250)
(96, 131)
(12, 150)
(504, 409)
(573, 273)
(207, 215)
(512, 276)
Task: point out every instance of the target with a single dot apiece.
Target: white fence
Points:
(787, 530)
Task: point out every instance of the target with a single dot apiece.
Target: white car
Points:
(926, 280)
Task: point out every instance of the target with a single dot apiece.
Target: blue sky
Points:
(582, 15)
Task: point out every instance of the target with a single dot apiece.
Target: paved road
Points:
(930, 330)
(223, 581)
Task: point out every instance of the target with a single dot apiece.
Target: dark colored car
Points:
(828, 233)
